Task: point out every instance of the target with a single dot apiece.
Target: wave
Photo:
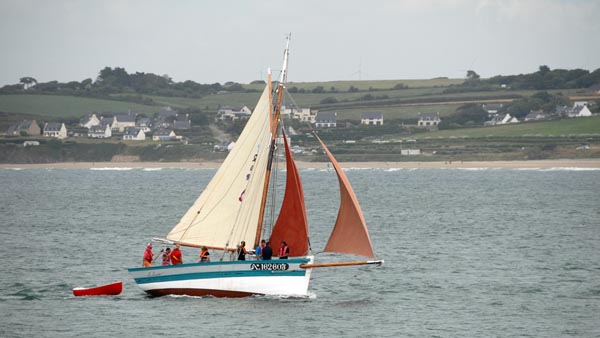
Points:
(113, 168)
(153, 169)
(556, 169)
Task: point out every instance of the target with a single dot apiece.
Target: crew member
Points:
(267, 252)
(176, 256)
(259, 249)
(166, 257)
(284, 251)
(204, 255)
(241, 251)
(148, 256)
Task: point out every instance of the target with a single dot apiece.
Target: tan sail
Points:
(227, 211)
(350, 234)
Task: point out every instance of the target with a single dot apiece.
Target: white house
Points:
(89, 120)
(164, 135)
(134, 134)
(123, 121)
(326, 120)
(535, 115)
(579, 111)
(428, 120)
(54, 129)
(144, 123)
(501, 119)
(373, 119)
(302, 114)
(100, 131)
(233, 113)
(407, 152)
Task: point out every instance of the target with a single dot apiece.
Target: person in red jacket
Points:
(148, 256)
(176, 256)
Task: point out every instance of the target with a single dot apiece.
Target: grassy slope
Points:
(563, 127)
(65, 106)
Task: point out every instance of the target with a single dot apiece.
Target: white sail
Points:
(228, 209)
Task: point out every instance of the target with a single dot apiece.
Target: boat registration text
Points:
(269, 266)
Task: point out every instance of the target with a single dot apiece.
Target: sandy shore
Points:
(545, 164)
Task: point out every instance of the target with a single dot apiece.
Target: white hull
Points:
(227, 279)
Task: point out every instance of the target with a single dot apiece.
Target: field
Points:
(563, 127)
(65, 106)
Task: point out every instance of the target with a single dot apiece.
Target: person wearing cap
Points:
(241, 251)
(176, 256)
(148, 256)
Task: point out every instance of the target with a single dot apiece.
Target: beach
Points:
(541, 164)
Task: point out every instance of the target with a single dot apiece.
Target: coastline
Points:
(540, 164)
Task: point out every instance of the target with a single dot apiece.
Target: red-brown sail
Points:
(291, 225)
(350, 234)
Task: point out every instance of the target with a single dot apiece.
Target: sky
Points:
(331, 40)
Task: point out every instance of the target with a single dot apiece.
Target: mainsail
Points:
(291, 225)
(350, 233)
(228, 209)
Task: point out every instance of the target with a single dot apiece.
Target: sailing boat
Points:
(231, 210)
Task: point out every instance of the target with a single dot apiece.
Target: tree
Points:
(28, 82)
(329, 100)
(472, 76)
(544, 69)
(318, 90)
(469, 114)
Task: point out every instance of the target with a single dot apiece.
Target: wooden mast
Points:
(274, 122)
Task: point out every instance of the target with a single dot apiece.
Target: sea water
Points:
(468, 253)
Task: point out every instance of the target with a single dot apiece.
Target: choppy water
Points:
(469, 253)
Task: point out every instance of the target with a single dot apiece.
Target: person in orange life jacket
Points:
(148, 256)
(241, 251)
(259, 249)
(176, 256)
(204, 255)
(166, 257)
(284, 251)
(267, 252)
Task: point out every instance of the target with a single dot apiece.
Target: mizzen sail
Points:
(228, 209)
(291, 225)
(350, 234)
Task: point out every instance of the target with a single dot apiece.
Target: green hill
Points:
(65, 106)
(563, 127)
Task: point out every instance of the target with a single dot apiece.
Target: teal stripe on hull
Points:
(276, 261)
(219, 274)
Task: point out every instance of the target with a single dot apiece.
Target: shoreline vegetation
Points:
(537, 164)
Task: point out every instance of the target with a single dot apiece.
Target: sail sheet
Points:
(291, 225)
(227, 211)
(350, 234)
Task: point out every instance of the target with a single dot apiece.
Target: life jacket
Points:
(148, 256)
(204, 256)
(284, 252)
(166, 259)
(176, 257)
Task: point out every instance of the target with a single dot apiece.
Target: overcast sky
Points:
(220, 41)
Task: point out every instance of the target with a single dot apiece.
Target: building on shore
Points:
(55, 129)
(25, 127)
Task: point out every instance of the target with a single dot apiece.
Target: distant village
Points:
(170, 125)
